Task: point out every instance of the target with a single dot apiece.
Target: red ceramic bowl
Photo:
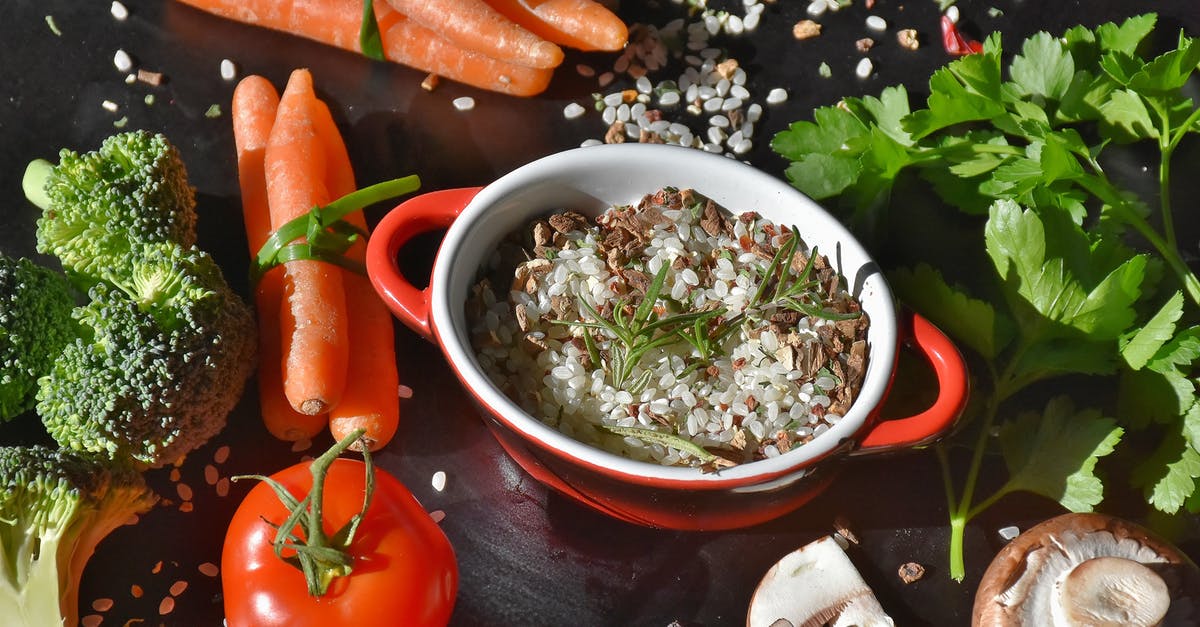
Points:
(590, 180)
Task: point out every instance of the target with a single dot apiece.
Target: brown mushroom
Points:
(1088, 569)
(814, 586)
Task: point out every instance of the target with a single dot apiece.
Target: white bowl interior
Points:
(590, 180)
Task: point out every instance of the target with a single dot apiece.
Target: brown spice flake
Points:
(208, 569)
(178, 587)
(91, 620)
(437, 515)
(568, 221)
(727, 68)
(616, 133)
(430, 83)
(149, 78)
(102, 605)
(911, 572)
(908, 39)
(806, 29)
(166, 606)
(221, 455)
(842, 527)
(629, 96)
(863, 45)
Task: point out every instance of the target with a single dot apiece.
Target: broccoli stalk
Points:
(55, 508)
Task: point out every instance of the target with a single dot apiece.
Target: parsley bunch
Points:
(1086, 277)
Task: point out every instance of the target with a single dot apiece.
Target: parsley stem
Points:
(1166, 145)
(1164, 173)
(962, 512)
(1101, 188)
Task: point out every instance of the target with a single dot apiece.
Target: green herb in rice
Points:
(671, 331)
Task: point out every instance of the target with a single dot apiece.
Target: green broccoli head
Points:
(154, 375)
(56, 506)
(98, 205)
(35, 324)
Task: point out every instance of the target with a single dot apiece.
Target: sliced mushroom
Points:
(1088, 569)
(814, 586)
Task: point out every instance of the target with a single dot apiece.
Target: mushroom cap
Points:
(814, 586)
(1113, 592)
(1022, 584)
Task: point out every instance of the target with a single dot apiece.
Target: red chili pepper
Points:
(954, 42)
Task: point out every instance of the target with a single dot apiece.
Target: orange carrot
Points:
(474, 25)
(253, 110)
(579, 24)
(313, 317)
(371, 400)
(337, 23)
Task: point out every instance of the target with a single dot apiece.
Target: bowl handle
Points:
(951, 373)
(417, 215)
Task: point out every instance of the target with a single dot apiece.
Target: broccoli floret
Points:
(99, 205)
(162, 361)
(35, 324)
(55, 508)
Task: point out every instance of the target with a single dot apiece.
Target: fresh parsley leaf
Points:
(1144, 344)
(1054, 453)
(950, 101)
(831, 131)
(1127, 36)
(1084, 96)
(1034, 276)
(1044, 69)
(969, 320)
(888, 110)
(1182, 351)
(1153, 396)
(822, 176)
(1121, 66)
(1168, 72)
(1169, 475)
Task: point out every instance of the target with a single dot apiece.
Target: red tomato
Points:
(404, 567)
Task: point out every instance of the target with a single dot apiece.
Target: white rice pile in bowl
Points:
(671, 331)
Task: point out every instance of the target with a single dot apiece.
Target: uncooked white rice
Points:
(778, 379)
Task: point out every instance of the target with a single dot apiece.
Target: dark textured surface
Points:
(526, 557)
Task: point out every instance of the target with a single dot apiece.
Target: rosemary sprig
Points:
(637, 334)
(670, 440)
(634, 335)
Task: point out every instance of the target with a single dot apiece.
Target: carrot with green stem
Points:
(254, 105)
(312, 318)
(371, 399)
(339, 23)
(475, 25)
(580, 24)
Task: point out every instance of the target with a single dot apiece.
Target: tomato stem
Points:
(321, 557)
